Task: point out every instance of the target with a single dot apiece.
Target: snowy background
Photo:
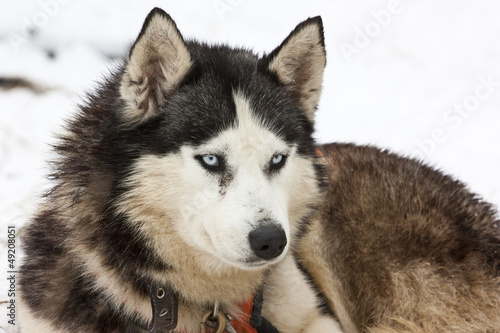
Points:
(421, 78)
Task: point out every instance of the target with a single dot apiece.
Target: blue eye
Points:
(277, 162)
(211, 160)
(212, 163)
(277, 159)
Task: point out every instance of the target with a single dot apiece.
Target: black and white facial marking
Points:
(222, 154)
(245, 168)
(229, 196)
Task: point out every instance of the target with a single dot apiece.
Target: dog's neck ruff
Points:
(164, 305)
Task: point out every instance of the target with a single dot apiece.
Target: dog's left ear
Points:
(158, 61)
(299, 63)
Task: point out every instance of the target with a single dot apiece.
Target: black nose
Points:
(268, 241)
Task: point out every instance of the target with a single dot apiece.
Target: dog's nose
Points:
(268, 241)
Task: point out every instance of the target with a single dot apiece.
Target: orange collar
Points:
(319, 152)
(250, 319)
(242, 323)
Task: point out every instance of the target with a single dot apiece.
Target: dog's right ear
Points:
(158, 61)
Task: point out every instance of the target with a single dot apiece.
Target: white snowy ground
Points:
(421, 78)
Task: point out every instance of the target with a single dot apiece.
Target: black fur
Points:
(96, 155)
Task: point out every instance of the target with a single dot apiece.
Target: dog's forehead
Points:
(248, 135)
(204, 104)
(226, 76)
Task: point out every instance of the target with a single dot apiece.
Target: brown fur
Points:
(121, 215)
(394, 246)
(402, 247)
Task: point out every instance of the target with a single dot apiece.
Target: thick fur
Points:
(383, 243)
(400, 247)
(134, 203)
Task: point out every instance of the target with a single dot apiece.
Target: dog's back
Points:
(406, 248)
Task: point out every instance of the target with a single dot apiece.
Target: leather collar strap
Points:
(261, 324)
(164, 306)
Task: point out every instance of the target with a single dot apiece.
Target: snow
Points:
(421, 78)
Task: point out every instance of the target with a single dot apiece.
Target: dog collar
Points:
(319, 152)
(252, 320)
(165, 309)
(164, 305)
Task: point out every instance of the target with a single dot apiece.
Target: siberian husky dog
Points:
(189, 196)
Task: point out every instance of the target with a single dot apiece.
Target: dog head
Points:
(220, 142)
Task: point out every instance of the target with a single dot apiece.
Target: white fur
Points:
(180, 209)
(116, 290)
(30, 323)
(291, 304)
(189, 198)
(199, 222)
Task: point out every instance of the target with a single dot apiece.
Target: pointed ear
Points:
(158, 61)
(299, 63)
